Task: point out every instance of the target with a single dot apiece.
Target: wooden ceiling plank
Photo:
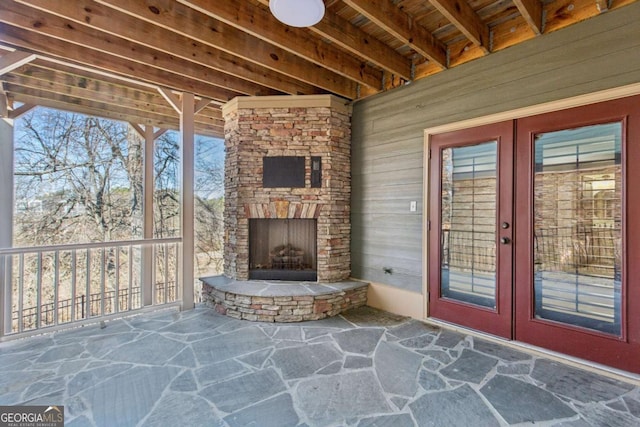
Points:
(349, 37)
(68, 104)
(259, 22)
(460, 14)
(125, 114)
(13, 60)
(100, 91)
(218, 35)
(55, 26)
(92, 86)
(50, 46)
(158, 112)
(531, 11)
(387, 15)
(73, 72)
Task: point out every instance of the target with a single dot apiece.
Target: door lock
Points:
(505, 225)
(505, 240)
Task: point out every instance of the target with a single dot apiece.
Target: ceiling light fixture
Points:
(297, 13)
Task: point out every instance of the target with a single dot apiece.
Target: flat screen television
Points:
(283, 171)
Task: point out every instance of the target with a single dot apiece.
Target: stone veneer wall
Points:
(285, 308)
(307, 126)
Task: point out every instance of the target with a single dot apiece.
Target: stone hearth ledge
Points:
(281, 301)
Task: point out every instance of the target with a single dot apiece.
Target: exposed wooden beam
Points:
(51, 46)
(465, 19)
(90, 89)
(259, 22)
(531, 11)
(42, 98)
(76, 74)
(69, 31)
(214, 33)
(351, 38)
(13, 60)
(396, 22)
(157, 113)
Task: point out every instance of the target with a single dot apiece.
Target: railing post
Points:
(5, 292)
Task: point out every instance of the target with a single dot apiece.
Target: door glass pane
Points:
(468, 233)
(577, 226)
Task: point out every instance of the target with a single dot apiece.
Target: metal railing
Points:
(53, 285)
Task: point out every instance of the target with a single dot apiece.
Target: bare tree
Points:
(77, 179)
(80, 179)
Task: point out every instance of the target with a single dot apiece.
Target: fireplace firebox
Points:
(282, 249)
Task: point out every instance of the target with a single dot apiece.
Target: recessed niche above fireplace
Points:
(282, 249)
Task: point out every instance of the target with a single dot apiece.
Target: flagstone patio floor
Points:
(363, 368)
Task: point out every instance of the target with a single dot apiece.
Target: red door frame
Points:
(621, 352)
(499, 321)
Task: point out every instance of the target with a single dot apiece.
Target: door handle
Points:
(505, 240)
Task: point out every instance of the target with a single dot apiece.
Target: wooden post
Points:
(6, 213)
(148, 189)
(187, 163)
(148, 276)
(185, 105)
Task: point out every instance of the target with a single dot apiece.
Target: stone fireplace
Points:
(287, 188)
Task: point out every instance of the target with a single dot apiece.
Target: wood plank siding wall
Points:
(387, 132)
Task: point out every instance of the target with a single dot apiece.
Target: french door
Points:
(471, 228)
(539, 247)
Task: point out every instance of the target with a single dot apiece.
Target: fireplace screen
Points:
(282, 249)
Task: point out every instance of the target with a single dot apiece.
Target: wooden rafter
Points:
(466, 20)
(205, 67)
(351, 38)
(260, 23)
(41, 43)
(13, 60)
(45, 99)
(114, 54)
(92, 91)
(531, 11)
(396, 22)
(204, 34)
